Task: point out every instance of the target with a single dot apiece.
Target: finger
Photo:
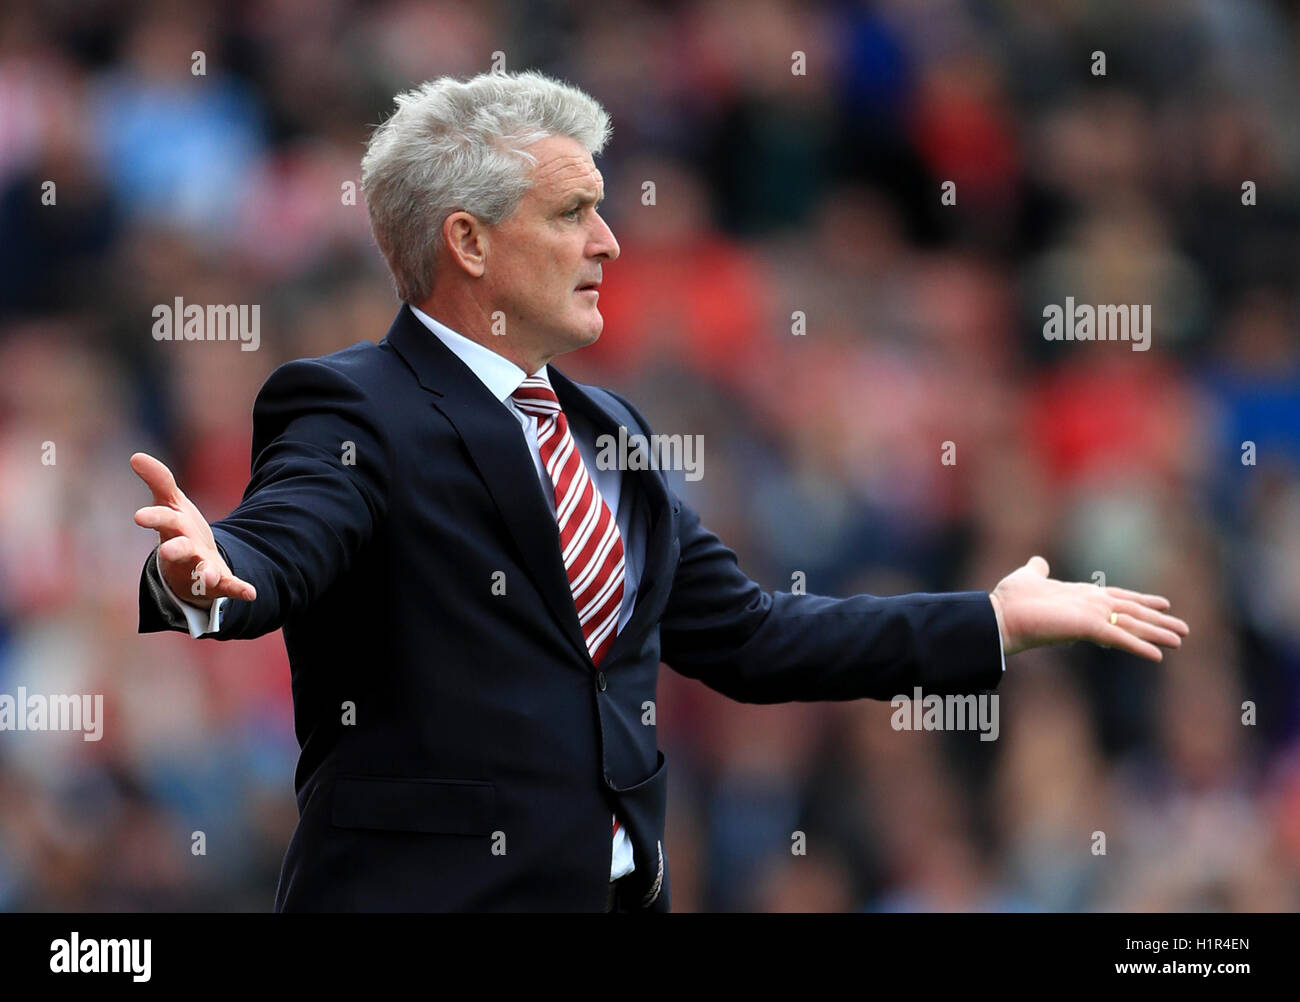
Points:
(1038, 565)
(1148, 615)
(234, 587)
(158, 477)
(178, 549)
(1152, 601)
(203, 579)
(1145, 631)
(211, 579)
(1121, 639)
(162, 518)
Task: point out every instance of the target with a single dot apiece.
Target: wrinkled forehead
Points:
(565, 169)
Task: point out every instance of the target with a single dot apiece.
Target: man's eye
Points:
(574, 211)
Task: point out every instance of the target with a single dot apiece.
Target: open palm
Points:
(1034, 610)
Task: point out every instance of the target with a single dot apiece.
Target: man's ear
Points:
(467, 242)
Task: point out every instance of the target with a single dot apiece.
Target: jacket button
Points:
(601, 682)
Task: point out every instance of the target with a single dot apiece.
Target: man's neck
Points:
(473, 324)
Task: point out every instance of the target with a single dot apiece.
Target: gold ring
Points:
(1114, 616)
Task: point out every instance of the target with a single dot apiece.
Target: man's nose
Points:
(605, 242)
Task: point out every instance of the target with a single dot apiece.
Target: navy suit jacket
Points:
(484, 752)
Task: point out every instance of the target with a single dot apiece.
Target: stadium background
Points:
(775, 193)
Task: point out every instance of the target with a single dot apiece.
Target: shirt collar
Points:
(500, 375)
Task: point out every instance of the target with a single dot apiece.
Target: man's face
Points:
(553, 244)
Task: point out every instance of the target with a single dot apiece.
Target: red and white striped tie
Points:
(590, 543)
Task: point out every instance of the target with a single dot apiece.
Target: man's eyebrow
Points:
(584, 198)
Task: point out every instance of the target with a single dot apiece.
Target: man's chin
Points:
(584, 336)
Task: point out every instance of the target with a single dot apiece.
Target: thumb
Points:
(1038, 565)
(204, 578)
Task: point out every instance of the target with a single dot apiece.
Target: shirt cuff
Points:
(201, 621)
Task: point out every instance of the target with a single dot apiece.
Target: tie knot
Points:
(535, 396)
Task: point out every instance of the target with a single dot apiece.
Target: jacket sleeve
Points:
(319, 487)
(761, 646)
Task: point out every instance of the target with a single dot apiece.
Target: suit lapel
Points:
(499, 451)
(496, 445)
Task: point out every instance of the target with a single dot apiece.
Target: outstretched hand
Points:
(1034, 610)
(189, 559)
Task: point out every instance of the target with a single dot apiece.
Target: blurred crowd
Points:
(784, 201)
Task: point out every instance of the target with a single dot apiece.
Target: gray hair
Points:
(454, 145)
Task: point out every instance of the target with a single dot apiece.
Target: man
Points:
(475, 612)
